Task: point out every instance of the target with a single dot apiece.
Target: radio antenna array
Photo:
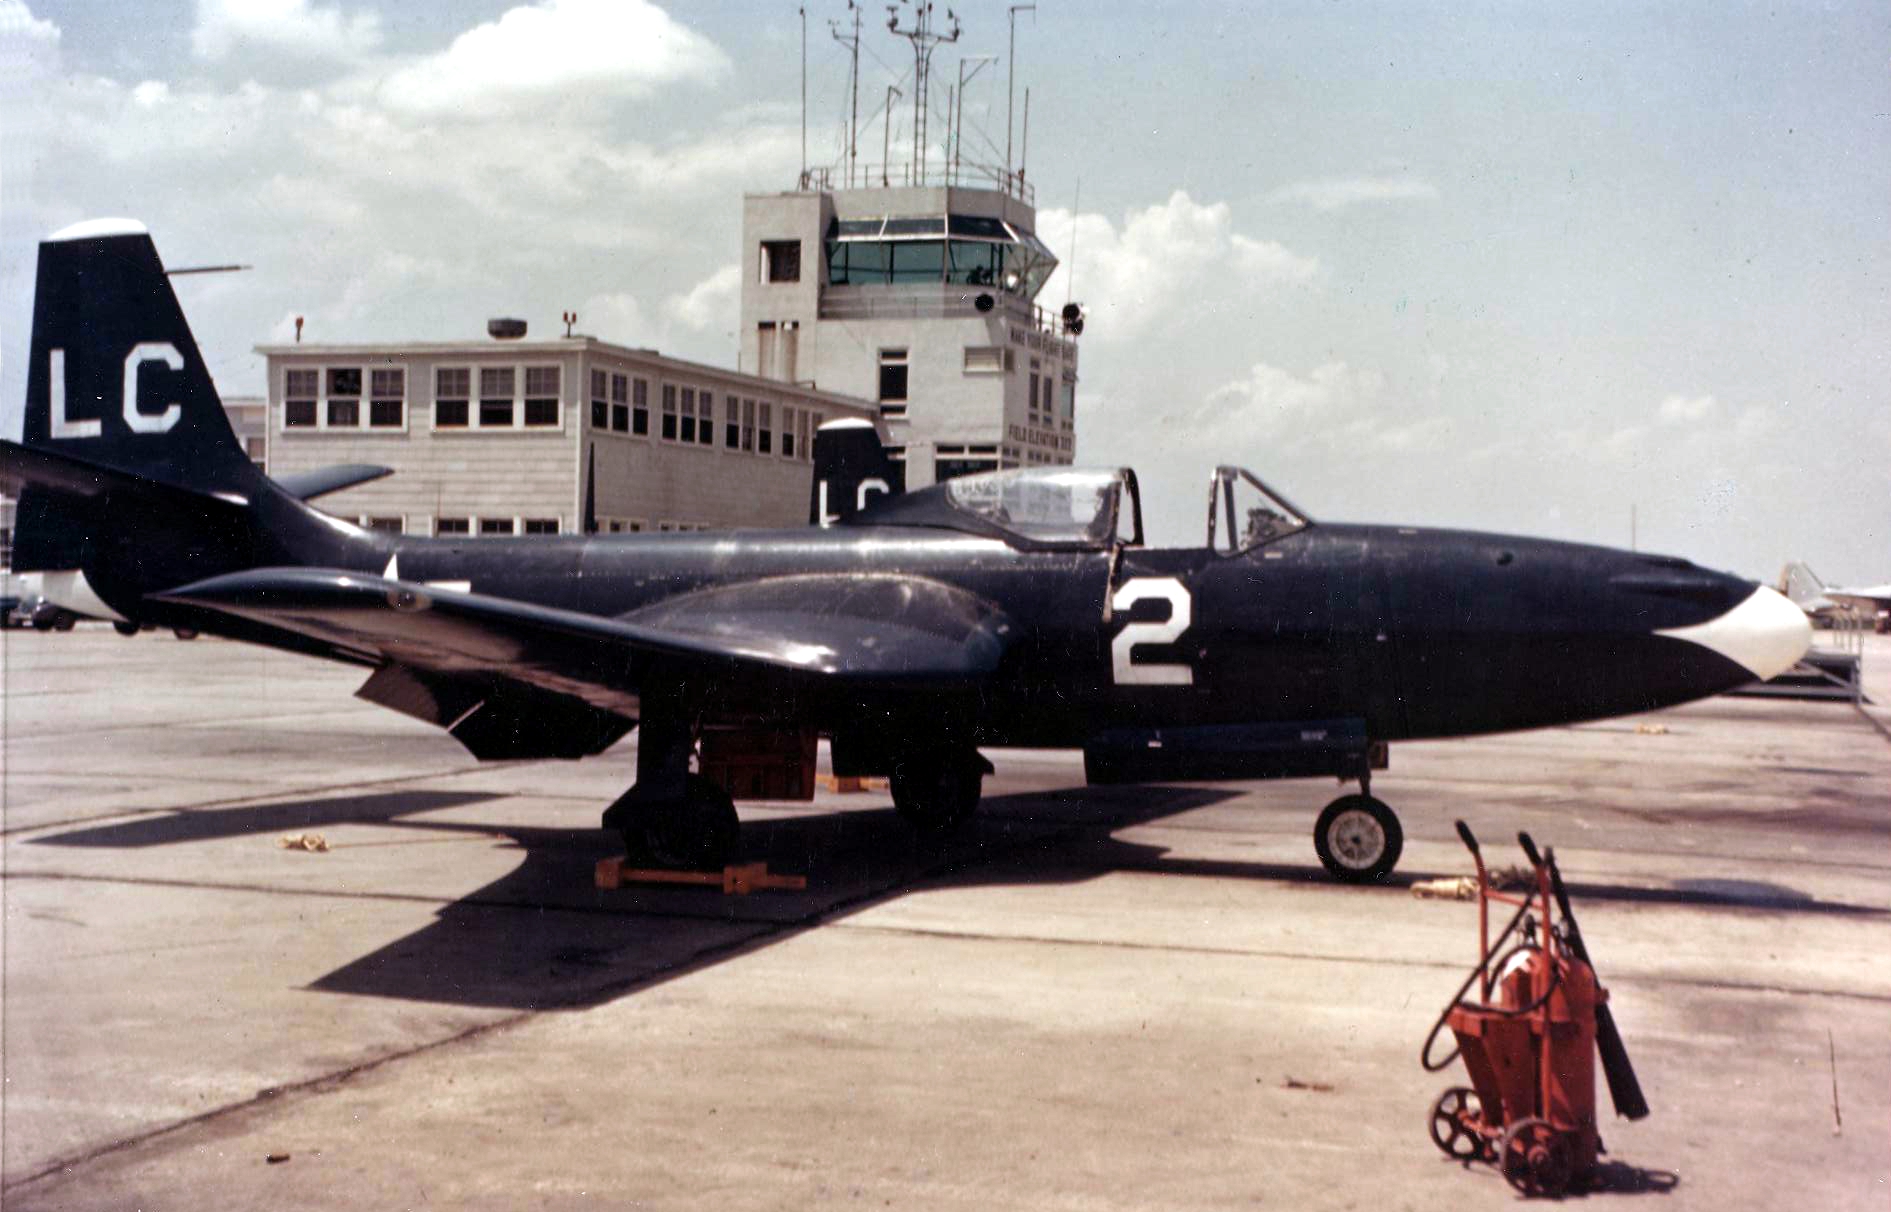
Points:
(924, 38)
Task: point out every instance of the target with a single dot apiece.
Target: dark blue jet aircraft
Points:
(1013, 608)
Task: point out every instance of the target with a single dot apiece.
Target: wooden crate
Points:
(757, 764)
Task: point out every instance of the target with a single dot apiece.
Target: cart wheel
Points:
(1535, 1157)
(1454, 1120)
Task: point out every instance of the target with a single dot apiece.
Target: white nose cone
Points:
(1766, 633)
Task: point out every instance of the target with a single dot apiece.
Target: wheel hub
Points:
(1357, 839)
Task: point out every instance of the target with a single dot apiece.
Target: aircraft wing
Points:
(447, 657)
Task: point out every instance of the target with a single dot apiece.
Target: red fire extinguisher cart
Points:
(1529, 1043)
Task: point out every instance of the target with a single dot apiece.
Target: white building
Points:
(501, 437)
(919, 297)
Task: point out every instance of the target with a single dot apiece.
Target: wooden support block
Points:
(612, 873)
(851, 784)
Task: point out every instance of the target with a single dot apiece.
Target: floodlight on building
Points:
(1073, 319)
(984, 302)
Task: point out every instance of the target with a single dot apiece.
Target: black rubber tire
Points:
(1535, 1158)
(184, 633)
(125, 629)
(63, 621)
(937, 792)
(42, 622)
(701, 833)
(1358, 840)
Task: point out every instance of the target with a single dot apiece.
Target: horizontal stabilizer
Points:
(307, 485)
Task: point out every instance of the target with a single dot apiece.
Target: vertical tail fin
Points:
(850, 468)
(114, 377)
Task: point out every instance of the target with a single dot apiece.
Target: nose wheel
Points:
(1358, 839)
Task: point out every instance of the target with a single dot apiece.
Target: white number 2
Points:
(1147, 589)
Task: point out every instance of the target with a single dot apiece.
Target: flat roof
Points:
(545, 347)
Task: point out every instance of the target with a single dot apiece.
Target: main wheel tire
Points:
(699, 833)
(125, 628)
(63, 621)
(1358, 839)
(937, 792)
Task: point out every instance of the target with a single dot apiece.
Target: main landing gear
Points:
(1358, 838)
(671, 817)
(936, 791)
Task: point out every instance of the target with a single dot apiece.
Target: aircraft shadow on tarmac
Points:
(544, 937)
(211, 824)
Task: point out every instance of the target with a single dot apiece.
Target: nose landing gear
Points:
(1358, 838)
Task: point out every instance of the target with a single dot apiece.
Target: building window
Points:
(389, 525)
(706, 433)
(640, 407)
(387, 402)
(732, 423)
(600, 400)
(299, 391)
(669, 412)
(689, 414)
(620, 403)
(490, 526)
(1047, 405)
(781, 260)
(893, 382)
(451, 389)
(541, 395)
(986, 359)
(1030, 398)
(814, 427)
(748, 425)
(788, 413)
(344, 397)
(496, 389)
(765, 433)
(451, 526)
(541, 525)
(948, 469)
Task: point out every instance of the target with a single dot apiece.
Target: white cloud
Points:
(711, 303)
(1334, 193)
(556, 49)
(1270, 403)
(297, 29)
(1155, 268)
(19, 27)
(616, 317)
(1679, 409)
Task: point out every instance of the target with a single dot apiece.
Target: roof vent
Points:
(505, 329)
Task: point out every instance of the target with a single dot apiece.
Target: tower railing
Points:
(952, 176)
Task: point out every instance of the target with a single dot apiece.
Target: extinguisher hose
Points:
(1496, 957)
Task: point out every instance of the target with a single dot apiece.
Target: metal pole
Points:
(804, 96)
(1011, 63)
(1024, 139)
(886, 147)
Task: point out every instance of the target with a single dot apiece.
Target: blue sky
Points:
(1508, 267)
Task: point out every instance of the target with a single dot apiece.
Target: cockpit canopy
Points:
(1061, 506)
(1083, 509)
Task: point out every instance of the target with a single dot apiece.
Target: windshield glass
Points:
(1043, 505)
(1244, 514)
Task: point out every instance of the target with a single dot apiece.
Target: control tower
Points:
(915, 286)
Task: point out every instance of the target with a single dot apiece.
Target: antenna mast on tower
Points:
(924, 39)
(852, 42)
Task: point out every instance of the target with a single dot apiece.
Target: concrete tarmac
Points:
(1121, 998)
